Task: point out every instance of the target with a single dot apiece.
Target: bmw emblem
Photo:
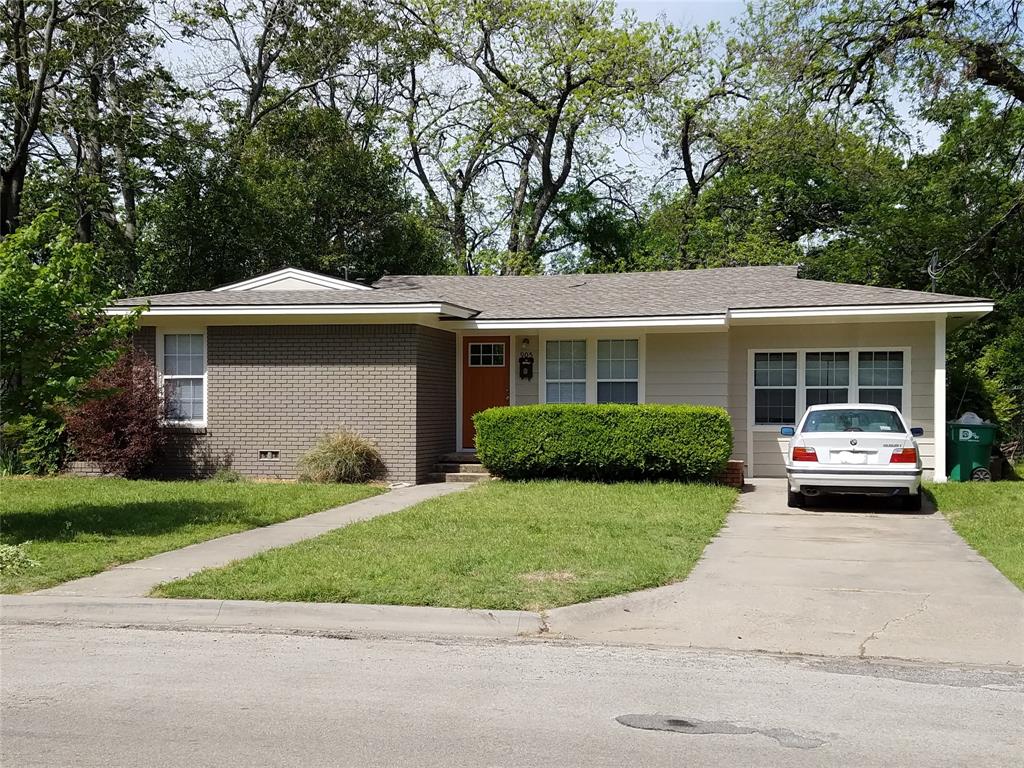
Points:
(853, 442)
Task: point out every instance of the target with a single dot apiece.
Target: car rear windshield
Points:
(853, 420)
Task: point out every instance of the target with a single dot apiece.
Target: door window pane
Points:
(486, 355)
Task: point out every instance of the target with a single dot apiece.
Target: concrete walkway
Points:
(138, 578)
(837, 581)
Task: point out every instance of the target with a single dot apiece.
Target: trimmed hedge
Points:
(604, 442)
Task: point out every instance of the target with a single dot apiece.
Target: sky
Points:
(685, 13)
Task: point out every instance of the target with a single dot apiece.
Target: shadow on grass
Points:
(136, 518)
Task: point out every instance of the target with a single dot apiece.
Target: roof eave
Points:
(443, 309)
(970, 309)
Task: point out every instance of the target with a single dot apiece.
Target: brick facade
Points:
(280, 388)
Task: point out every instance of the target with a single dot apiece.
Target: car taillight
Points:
(804, 454)
(903, 456)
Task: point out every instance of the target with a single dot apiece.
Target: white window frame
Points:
(591, 338)
(855, 377)
(543, 394)
(801, 380)
(162, 377)
(623, 380)
(795, 386)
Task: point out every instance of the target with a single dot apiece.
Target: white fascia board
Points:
(779, 313)
(324, 281)
(255, 310)
(712, 321)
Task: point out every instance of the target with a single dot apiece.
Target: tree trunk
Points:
(516, 263)
(13, 181)
(93, 165)
(124, 169)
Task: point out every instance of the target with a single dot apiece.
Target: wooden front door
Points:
(485, 361)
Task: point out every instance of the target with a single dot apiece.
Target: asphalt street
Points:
(92, 696)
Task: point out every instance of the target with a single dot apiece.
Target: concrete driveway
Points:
(866, 581)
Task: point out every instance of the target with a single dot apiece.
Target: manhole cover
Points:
(784, 736)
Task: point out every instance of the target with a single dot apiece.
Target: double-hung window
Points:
(880, 378)
(827, 377)
(565, 371)
(786, 382)
(183, 372)
(618, 371)
(775, 387)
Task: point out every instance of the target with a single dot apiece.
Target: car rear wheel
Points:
(794, 500)
(912, 503)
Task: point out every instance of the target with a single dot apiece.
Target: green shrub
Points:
(604, 442)
(14, 559)
(341, 457)
(226, 475)
(34, 444)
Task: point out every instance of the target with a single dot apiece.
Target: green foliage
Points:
(300, 190)
(14, 560)
(224, 475)
(34, 445)
(54, 335)
(604, 442)
(1001, 371)
(341, 457)
(875, 56)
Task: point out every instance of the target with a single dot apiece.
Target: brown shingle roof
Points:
(629, 294)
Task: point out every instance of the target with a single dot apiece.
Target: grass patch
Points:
(528, 545)
(990, 517)
(81, 526)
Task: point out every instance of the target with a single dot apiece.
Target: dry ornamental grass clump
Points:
(341, 457)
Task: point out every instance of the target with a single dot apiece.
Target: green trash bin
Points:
(969, 450)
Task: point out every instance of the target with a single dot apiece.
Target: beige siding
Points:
(768, 446)
(687, 368)
(526, 389)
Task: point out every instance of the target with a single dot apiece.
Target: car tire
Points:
(794, 499)
(912, 502)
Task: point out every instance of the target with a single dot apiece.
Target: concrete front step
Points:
(457, 477)
(471, 468)
(459, 457)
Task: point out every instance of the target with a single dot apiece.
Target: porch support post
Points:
(940, 400)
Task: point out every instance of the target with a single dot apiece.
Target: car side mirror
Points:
(917, 431)
(787, 431)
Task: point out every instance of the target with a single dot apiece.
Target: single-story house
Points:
(256, 371)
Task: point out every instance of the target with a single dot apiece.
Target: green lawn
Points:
(500, 545)
(990, 517)
(80, 526)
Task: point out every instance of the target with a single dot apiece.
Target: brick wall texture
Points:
(280, 388)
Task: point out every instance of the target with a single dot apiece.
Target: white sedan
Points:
(854, 448)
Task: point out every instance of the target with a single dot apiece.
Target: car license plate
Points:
(851, 457)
